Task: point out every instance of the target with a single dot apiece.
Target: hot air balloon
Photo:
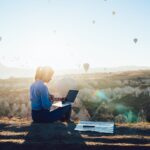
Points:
(93, 21)
(86, 67)
(113, 12)
(135, 40)
(54, 31)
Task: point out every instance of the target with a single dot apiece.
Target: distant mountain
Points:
(105, 69)
(120, 69)
(7, 72)
(1, 65)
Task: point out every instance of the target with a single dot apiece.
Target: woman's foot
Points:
(69, 121)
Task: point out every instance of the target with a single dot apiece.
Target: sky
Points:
(65, 34)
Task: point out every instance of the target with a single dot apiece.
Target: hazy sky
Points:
(67, 33)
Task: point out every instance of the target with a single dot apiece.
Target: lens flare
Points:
(101, 95)
(120, 108)
(131, 116)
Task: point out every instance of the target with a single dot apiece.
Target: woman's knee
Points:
(68, 106)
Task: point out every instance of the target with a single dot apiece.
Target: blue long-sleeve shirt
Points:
(39, 96)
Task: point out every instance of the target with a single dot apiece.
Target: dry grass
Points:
(139, 125)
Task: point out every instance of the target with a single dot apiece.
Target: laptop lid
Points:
(71, 96)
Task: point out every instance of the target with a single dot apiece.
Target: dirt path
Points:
(22, 134)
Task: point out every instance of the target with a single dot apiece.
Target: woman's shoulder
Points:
(37, 83)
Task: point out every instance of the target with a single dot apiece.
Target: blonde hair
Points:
(44, 73)
(38, 73)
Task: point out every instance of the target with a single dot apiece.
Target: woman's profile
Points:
(41, 99)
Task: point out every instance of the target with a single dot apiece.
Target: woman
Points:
(41, 100)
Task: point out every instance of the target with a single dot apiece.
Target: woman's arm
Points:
(51, 97)
(46, 102)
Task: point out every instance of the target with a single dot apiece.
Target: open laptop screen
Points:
(71, 96)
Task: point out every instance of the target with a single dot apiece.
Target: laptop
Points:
(70, 98)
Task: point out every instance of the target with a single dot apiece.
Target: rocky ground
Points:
(23, 134)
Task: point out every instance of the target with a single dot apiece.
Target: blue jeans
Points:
(61, 113)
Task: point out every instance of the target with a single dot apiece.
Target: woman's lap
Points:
(51, 116)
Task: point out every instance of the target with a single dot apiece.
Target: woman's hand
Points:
(51, 97)
(59, 99)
